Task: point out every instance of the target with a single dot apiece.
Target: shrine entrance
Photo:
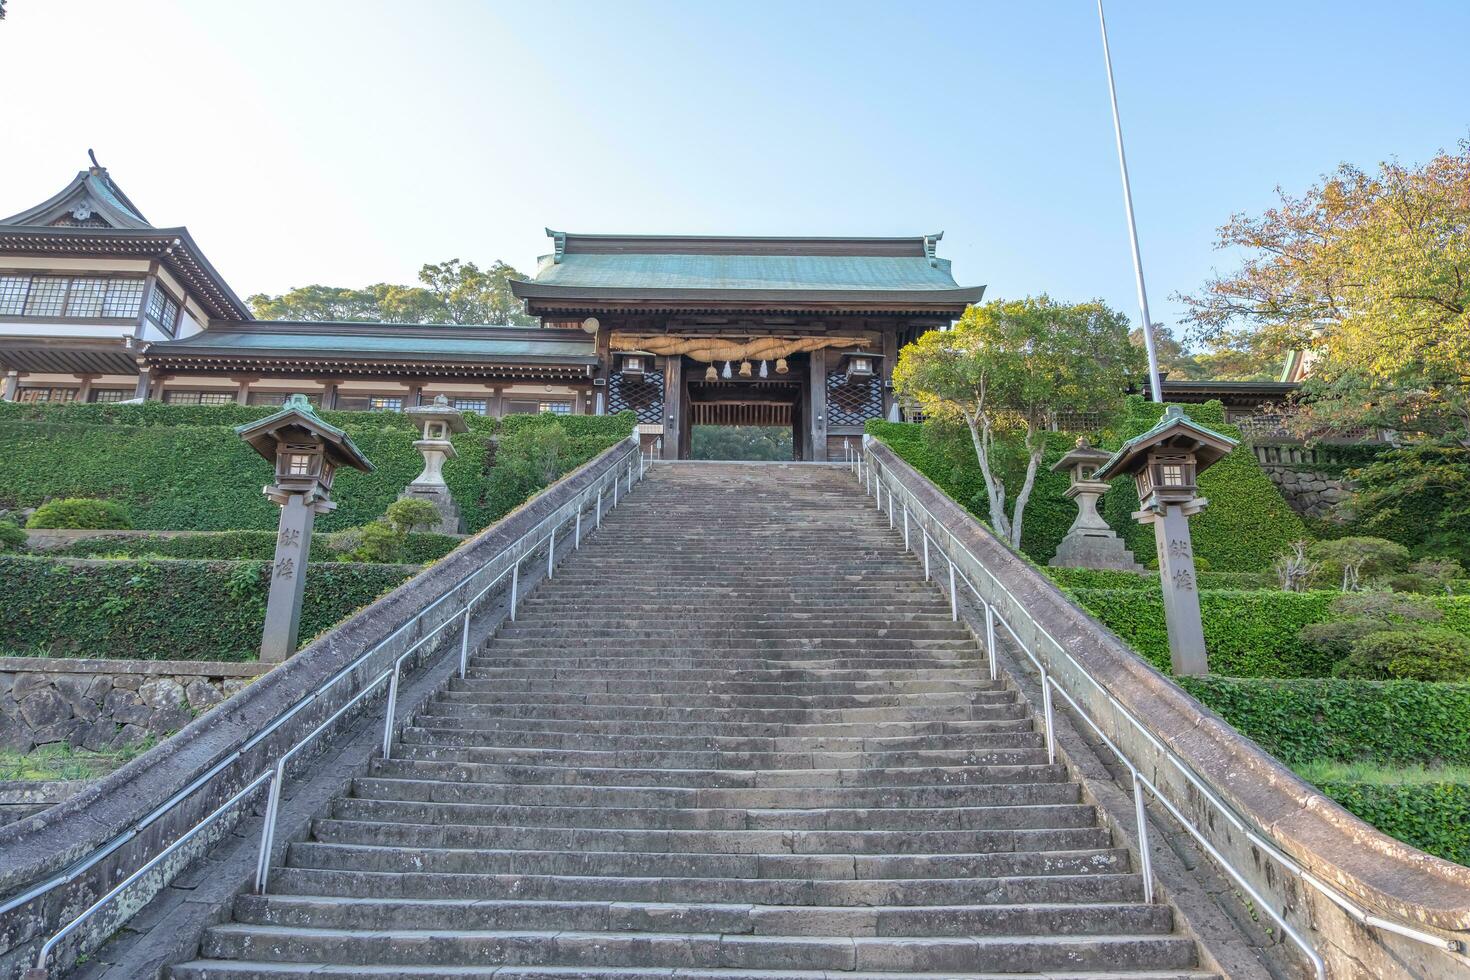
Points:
(734, 419)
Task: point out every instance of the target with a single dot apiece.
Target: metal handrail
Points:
(276, 774)
(872, 475)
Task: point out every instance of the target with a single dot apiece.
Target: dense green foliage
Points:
(771, 443)
(1429, 654)
(80, 513)
(12, 538)
(1392, 722)
(1245, 526)
(1247, 523)
(183, 468)
(1248, 633)
(166, 610)
(245, 546)
(533, 451)
(1418, 496)
(1434, 817)
(1096, 578)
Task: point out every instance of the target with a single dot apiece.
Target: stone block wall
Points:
(1309, 491)
(108, 704)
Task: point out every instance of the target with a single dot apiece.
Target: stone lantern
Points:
(1089, 543)
(437, 421)
(1165, 463)
(306, 453)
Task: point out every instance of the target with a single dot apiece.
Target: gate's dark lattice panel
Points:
(643, 395)
(853, 402)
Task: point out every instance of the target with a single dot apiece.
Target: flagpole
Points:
(1148, 323)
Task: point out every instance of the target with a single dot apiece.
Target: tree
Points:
(1173, 358)
(1019, 366)
(1370, 273)
(449, 292)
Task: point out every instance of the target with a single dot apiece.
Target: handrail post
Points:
(577, 533)
(890, 508)
(515, 587)
(388, 717)
(597, 513)
(954, 596)
(1145, 859)
(1046, 710)
(268, 829)
(551, 552)
(906, 527)
(990, 641)
(615, 490)
(464, 643)
(925, 535)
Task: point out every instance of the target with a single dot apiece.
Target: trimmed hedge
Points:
(1247, 523)
(1097, 578)
(183, 468)
(1386, 722)
(237, 546)
(1248, 633)
(1434, 817)
(167, 610)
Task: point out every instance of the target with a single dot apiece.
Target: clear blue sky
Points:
(349, 141)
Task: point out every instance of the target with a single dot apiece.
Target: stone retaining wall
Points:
(108, 704)
(1308, 492)
(19, 798)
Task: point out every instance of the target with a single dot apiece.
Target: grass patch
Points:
(53, 762)
(1371, 774)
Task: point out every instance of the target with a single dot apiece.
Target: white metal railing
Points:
(626, 469)
(879, 482)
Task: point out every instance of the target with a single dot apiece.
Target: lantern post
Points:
(1090, 542)
(1165, 463)
(306, 453)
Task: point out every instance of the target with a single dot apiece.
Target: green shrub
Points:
(1427, 654)
(1347, 561)
(379, 542)
(12, 538)
(1300, 721)
(244, 546)
(1434, 818)
(535, 450)
(1353, 616)
(1248, 633)
(410, 514)
(167, 610)
(80, 513)
(1247, 523)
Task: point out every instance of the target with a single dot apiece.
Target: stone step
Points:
(423, 762)
(1014, 890)
(510, 837)
(478, 721)
(724, 718)
(909, 748)
(1009, 816)
(573, 948)
(637, 695)
(607, 682)
(766, 798)
(376, 914)
(641, 757)
(260, 970)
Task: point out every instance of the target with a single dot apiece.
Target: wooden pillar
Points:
(889, 361)
(414, 396)
(145, 382)
(674, 407)
(86, 387)
(329, 395)
(817, 407)
(12, 386)
(496, 408)
(242, 391)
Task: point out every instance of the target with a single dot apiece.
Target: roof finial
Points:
(93, 157)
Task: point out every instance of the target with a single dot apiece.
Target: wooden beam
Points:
(817, 401)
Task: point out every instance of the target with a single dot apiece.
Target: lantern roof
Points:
(439, 411)
(1084, 452)
(1175, 431)
(298, 421)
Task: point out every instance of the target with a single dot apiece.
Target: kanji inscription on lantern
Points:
(289, 537)
(285, 568)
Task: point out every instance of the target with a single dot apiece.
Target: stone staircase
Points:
(737, 735)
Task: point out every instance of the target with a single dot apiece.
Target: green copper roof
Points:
(761, 272)
(1174, 419)
(261, 434)
(417, 341)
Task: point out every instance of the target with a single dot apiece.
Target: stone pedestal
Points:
(439, 422)
(1103, 552)
(443, 501)
(1090, 542)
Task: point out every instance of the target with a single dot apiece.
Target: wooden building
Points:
(700, 330)
(98, 304)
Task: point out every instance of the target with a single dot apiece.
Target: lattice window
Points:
(199, 397)
(111, 394)
(853, 402)
(123, 297)
(86, 297)
(46, 296)
(555, 408)
(480, 406)
(13, 294)
(47, 394)
(642, 395)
